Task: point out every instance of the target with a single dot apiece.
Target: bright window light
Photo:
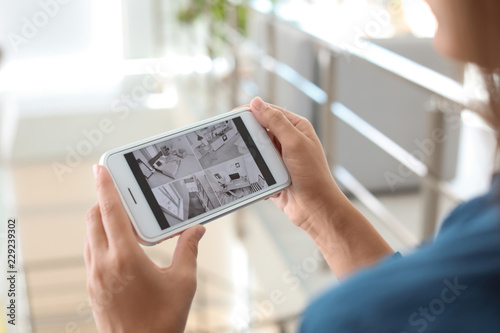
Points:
(64, 74)
(419, 18)
(166, 100)
(93, 68)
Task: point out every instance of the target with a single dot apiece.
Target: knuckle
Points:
(121, 264)
(95, 276)
(193, 247)
(90, 288)
(108, 208)
(101, 183)
(276, 119)
(121, 260)
(295, 141)
(92, 213)
(94, 282)
(305, 124)
(188, 278)
(306, 121)
(90, 291)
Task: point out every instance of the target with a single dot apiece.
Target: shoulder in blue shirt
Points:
(450, 285)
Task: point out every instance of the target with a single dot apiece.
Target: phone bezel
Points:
(138, 209)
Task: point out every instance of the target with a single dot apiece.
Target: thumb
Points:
(186, 251)
(274, 119)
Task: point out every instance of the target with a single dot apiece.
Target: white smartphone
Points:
(195, 174)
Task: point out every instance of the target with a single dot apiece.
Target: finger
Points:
(86, 253)
(241, 107)
(275, 119)
(114, 217)
(292, 117)
(295, 119)
(186, 251)
(301, 123)
(276, 199)
(275, 141)
(87, 256)
(95, 230)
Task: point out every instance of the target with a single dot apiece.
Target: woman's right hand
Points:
(313, 193)
(314, 202)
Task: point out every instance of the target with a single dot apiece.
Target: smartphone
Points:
(195, 174)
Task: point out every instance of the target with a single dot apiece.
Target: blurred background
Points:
(386, 106)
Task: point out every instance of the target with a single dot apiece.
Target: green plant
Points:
(217, 12)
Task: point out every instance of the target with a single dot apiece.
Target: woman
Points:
(447, 286)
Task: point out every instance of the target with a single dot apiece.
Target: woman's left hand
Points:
(128, 292)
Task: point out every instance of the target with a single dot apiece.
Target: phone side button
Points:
(129, 191)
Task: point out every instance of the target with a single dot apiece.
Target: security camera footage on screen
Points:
(194, 173)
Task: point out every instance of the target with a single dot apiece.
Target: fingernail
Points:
(259, 104)
(95, 168)
(200, 231)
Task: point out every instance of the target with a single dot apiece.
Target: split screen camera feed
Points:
(200, 171)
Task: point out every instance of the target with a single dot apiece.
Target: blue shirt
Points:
(451, 285)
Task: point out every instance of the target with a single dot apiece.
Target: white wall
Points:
(49, 28)
(139, 18)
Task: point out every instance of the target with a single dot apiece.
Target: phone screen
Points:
(197, 172)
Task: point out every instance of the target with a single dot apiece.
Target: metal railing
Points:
(331, 111)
